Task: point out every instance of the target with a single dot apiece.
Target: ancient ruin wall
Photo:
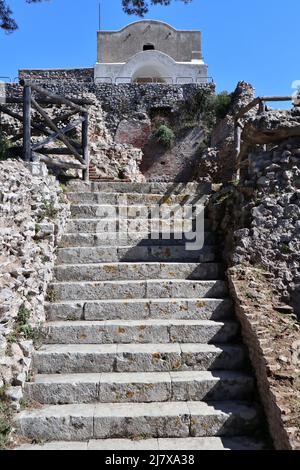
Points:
(33, 213)
(130, 114)
(258, 222)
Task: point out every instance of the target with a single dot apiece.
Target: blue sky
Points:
(257, 41)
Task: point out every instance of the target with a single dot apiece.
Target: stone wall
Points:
(217, 163)
(129, 114)
(257, 219)
(272, 338)
(117, 101)
(78, 75)
(33, 213)
(262, 215)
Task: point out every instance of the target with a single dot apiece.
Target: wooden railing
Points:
(238, 127)
(35, 97)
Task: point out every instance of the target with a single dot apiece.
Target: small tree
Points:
(222, 104)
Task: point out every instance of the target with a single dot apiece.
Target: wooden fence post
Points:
(27, 123)
(85, 146)
(262, 107)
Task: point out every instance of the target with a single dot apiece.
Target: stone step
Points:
(138, 420)
(137, 271)
(139, 331)
(167, 189)
(112, 225)
(189, 443)
(164, 254)
(133, 198)
(140, 387)
(127, 290)
(141, 212)
(82, 358)
(119, 239)
(181, 309)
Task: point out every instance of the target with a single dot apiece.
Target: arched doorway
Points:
(150, 73)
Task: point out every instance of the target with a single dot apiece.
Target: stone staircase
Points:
(141, 348)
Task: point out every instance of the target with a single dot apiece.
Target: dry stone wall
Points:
(129, 113)
(258, 222)
(33, 213)
(217, 163)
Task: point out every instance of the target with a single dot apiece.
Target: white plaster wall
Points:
(152, 64)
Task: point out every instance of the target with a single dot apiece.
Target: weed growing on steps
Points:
(51, 296)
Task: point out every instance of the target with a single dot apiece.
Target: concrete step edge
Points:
(192, 443)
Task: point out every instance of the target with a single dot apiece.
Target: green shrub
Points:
(164, 135)
(49, 212)
(5, 417)
(207, 107)
(22, 327)
(4, 147)
(23, 315)
(222, 104)
(5, 430)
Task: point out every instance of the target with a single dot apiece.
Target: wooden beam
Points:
(55, 135)
(247, 108)
(63, 117)
(56, 129)
(17, 150)
(259, 100)
(19, 117)
(58, 163)
(27, 123)
(55, 98)
(276, 98)
(85, 146)
(56, 151)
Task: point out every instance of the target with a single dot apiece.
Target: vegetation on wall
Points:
(4, 147)
(222, 104)
(206, 106)
(5, 416)
(164, 135)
